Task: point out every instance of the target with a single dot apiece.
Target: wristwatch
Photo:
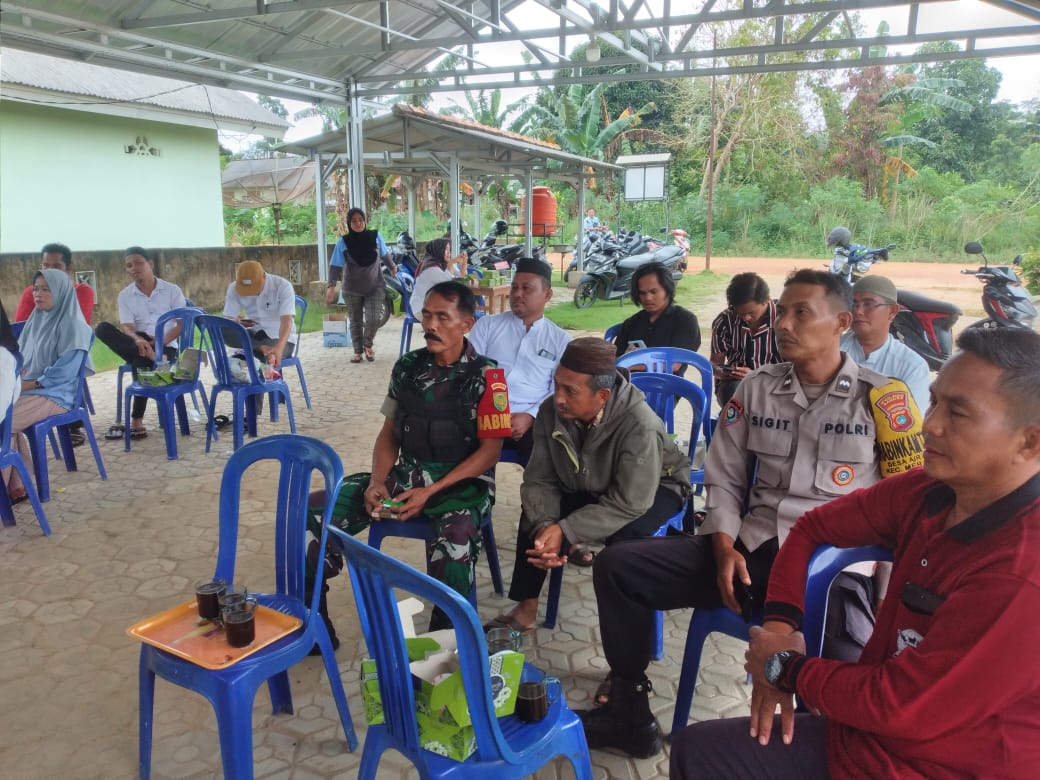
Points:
(776, 668)
(37, 385)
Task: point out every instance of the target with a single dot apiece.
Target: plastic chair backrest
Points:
(213, 328)
(301, 312)
(611, 333)
(375, 576)
(661, 390)
(300, 457)
(81, 377)
(407, 282)
(826, 564)
(661, 360)
(186, 316)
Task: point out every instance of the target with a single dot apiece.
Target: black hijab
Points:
(434, 253)
(361, 245)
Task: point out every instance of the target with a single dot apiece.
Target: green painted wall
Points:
(65, 176)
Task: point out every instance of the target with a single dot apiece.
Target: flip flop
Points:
(357, 358)
(77, 438)
(508, 621)
(138, 433)
(602, 695)
(370, 354)
(221, 421)
(582, 557)
(115, 432)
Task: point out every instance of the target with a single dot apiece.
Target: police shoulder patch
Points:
(732, 413)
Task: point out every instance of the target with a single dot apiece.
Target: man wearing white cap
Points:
(266, 305)
(869, 343)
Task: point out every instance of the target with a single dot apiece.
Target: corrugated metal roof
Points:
(99, 85)
(321, 50)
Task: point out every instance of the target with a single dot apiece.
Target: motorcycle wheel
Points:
(586, 293)
(386, 306)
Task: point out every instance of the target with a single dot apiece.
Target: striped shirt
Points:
(742, 345)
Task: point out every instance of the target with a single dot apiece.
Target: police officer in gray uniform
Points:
(807, 427)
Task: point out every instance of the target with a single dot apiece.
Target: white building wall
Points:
(67, 176)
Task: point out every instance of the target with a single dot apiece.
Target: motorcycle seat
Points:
(917, 302)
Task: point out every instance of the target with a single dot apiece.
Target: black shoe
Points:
(439, 621)
(625, 723)
(316, 650)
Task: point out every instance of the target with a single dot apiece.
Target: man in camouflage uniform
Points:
(428, 456)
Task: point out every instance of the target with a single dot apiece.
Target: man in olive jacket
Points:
(597, 445)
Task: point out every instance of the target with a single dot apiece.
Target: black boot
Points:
(625, 723)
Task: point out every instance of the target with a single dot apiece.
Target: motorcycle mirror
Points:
(973, 248)
(1017, 260)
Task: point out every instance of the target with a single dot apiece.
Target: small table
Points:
(496, 299)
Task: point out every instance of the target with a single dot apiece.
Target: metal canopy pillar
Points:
(322, 170)
(528, 211)
(355, 148)
(455, 213)
(579, 246)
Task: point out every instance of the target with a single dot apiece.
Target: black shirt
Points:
(676, 327)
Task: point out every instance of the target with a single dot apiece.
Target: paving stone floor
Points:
(133, 545)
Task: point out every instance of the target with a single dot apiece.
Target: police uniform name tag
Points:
(493, 420)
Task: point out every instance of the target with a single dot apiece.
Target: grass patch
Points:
(693, 292)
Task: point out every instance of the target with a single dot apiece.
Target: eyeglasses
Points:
(868, 306)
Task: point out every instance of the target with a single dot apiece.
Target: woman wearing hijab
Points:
(432, 270)
(54, 342)
(358, 256)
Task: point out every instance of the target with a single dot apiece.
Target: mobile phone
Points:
(637, 344)
(744, 598)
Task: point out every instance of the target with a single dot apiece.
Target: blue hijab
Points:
(50, 334)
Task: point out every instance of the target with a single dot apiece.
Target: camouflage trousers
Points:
(455, 515)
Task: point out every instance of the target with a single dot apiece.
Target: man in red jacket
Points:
(57, 256)
(948, 685)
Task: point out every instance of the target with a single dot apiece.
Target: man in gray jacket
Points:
(596, 445)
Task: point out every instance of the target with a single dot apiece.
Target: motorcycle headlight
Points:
(862, 267)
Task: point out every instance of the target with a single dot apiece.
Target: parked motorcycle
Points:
(404, 253)
(851, 261)
(926, 325)
(398, 290)
(627, 243)
(609, 277)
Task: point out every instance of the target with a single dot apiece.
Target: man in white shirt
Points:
(527, 345)
(266, 305)
(141, 303)
(869, 342)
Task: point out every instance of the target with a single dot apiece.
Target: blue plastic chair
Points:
(661, 360)
(407, 284)
(10, 457)
(506, 747)
(38, 432)
(660, 390)
(168, 398)
(826, 564)
(243, 394)
(232, 690)
(301, 312)
(611, 333)
(422, 528)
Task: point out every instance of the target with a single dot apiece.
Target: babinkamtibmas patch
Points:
(493, 419)
(898, 422)
(733, 412)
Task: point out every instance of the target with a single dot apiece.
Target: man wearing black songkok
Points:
(597, 445)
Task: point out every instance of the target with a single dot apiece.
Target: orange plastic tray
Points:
(182, 632)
